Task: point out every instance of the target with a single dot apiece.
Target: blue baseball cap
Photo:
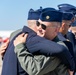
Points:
(34, 14)
(51, 16)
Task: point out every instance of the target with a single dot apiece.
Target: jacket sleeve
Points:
(35, 65)
(49, 48)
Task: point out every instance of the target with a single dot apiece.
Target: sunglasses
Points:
(42, 25)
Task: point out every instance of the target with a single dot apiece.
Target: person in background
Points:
(70, 35)
(66, 21)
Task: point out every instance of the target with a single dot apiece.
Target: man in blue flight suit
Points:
(14, 68)
(66, 21)
(70, 35)
(30, 18)
(13, 60)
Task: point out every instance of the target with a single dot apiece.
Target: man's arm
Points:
(49, 48)
(31, 64)
(35, 65)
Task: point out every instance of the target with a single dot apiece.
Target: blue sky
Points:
(13, 13)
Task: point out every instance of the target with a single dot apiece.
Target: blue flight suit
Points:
(71, 37)
(35, 45)
(69, 44)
